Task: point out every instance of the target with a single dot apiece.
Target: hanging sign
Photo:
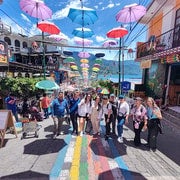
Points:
(3, 53)
(145, 64)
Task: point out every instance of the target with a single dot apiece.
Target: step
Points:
(175, 111)
(171, 118)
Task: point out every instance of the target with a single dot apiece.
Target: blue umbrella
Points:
(47, 85)
(83, 32)
(83, 16)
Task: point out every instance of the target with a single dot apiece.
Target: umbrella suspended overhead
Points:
(48, 27)
(118, 33)
(83, 16)
(110, 43)
(36, 8)
(47, 85)
(83, 32)
(83, 42)
(84, 54)
(130, 13)
(58, 37)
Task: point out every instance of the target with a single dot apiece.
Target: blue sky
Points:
(12, 15)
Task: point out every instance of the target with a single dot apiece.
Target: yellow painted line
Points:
(74, 171)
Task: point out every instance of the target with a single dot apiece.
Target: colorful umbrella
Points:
(83, 42)
(47, 85)
(97, 65)
(48, 27)
(83, 32)
(98, 55)
(68, 60)
(57, 37)
(130, 13)
(36, 8)
(110, 43)
(104, 91)
(83, 54)
(98, 61)
(83, 65)
(83, 16)
(117, 32)
(84, 61)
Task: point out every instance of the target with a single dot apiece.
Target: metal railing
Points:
(157, 44)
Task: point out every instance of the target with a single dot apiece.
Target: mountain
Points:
(111, 67)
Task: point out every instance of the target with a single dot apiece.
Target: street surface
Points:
(89, 157)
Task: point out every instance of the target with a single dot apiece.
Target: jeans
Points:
(46, 113)
(73, 117)
(120, 124)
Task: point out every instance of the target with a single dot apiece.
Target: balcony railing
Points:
(157, 44)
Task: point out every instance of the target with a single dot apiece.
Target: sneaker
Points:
(81, 133)
(120, 139)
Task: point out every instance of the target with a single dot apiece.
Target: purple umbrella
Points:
(83, 42)
(110, 43)
(83, 54)
(36, 8)
(130, 13)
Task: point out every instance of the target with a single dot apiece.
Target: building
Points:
(160, 55)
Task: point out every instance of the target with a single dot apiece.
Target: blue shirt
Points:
(59, 107)
(74, 105)
(150, 113)
(11, 106)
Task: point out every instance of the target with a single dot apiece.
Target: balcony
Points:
(164, 44)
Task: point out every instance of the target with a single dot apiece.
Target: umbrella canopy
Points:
(83, 16)
(84, 60)
(36, 8)
(68, 60)
(83, 65)
(57, 37)
(47, 85)
(98, 61)
(48, 27)
(130, 13)
(117, 32)
(83, 42)
(97, 65)
(110, 43)
(83, 54)
(83, 32)
(104, 91)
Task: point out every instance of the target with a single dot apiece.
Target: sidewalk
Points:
(83, 158)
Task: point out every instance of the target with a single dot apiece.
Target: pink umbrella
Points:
(83, 65)
(57, 37)
(36, 8)
(110, 43)
(130, 13)
(83, 54)
(83, 42)
(97, 65)
(48, 27)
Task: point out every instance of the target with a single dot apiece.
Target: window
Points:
(24, 44)
(176, 37)
(8, 40)
(17, 45)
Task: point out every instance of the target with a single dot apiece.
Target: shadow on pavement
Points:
(26, 175)
(50, 128)
(118, 173)
(44, 146)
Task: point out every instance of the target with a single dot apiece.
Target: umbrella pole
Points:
(119, 63)
(43, 60)
(122, 59)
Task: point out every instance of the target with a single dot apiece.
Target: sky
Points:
(106, 10)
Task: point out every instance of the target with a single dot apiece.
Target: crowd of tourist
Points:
(86, 111)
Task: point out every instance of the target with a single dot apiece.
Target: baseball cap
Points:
(138, 98)
(105, 97)
(121, 96)
(112, 95)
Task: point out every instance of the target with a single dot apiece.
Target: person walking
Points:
(11, 105)
(139, 120)
(73, 110)
(114, 104)
(95, 115)
(45, 103)
(58, 107)
(106, 111)
(154, 116)
(122, 116)
(84, 110)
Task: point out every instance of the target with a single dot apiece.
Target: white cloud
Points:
(100, 39)
(25, 18)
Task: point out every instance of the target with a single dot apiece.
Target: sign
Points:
(125, 86)
(3, 53)
(145, 64)
(6, 120)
